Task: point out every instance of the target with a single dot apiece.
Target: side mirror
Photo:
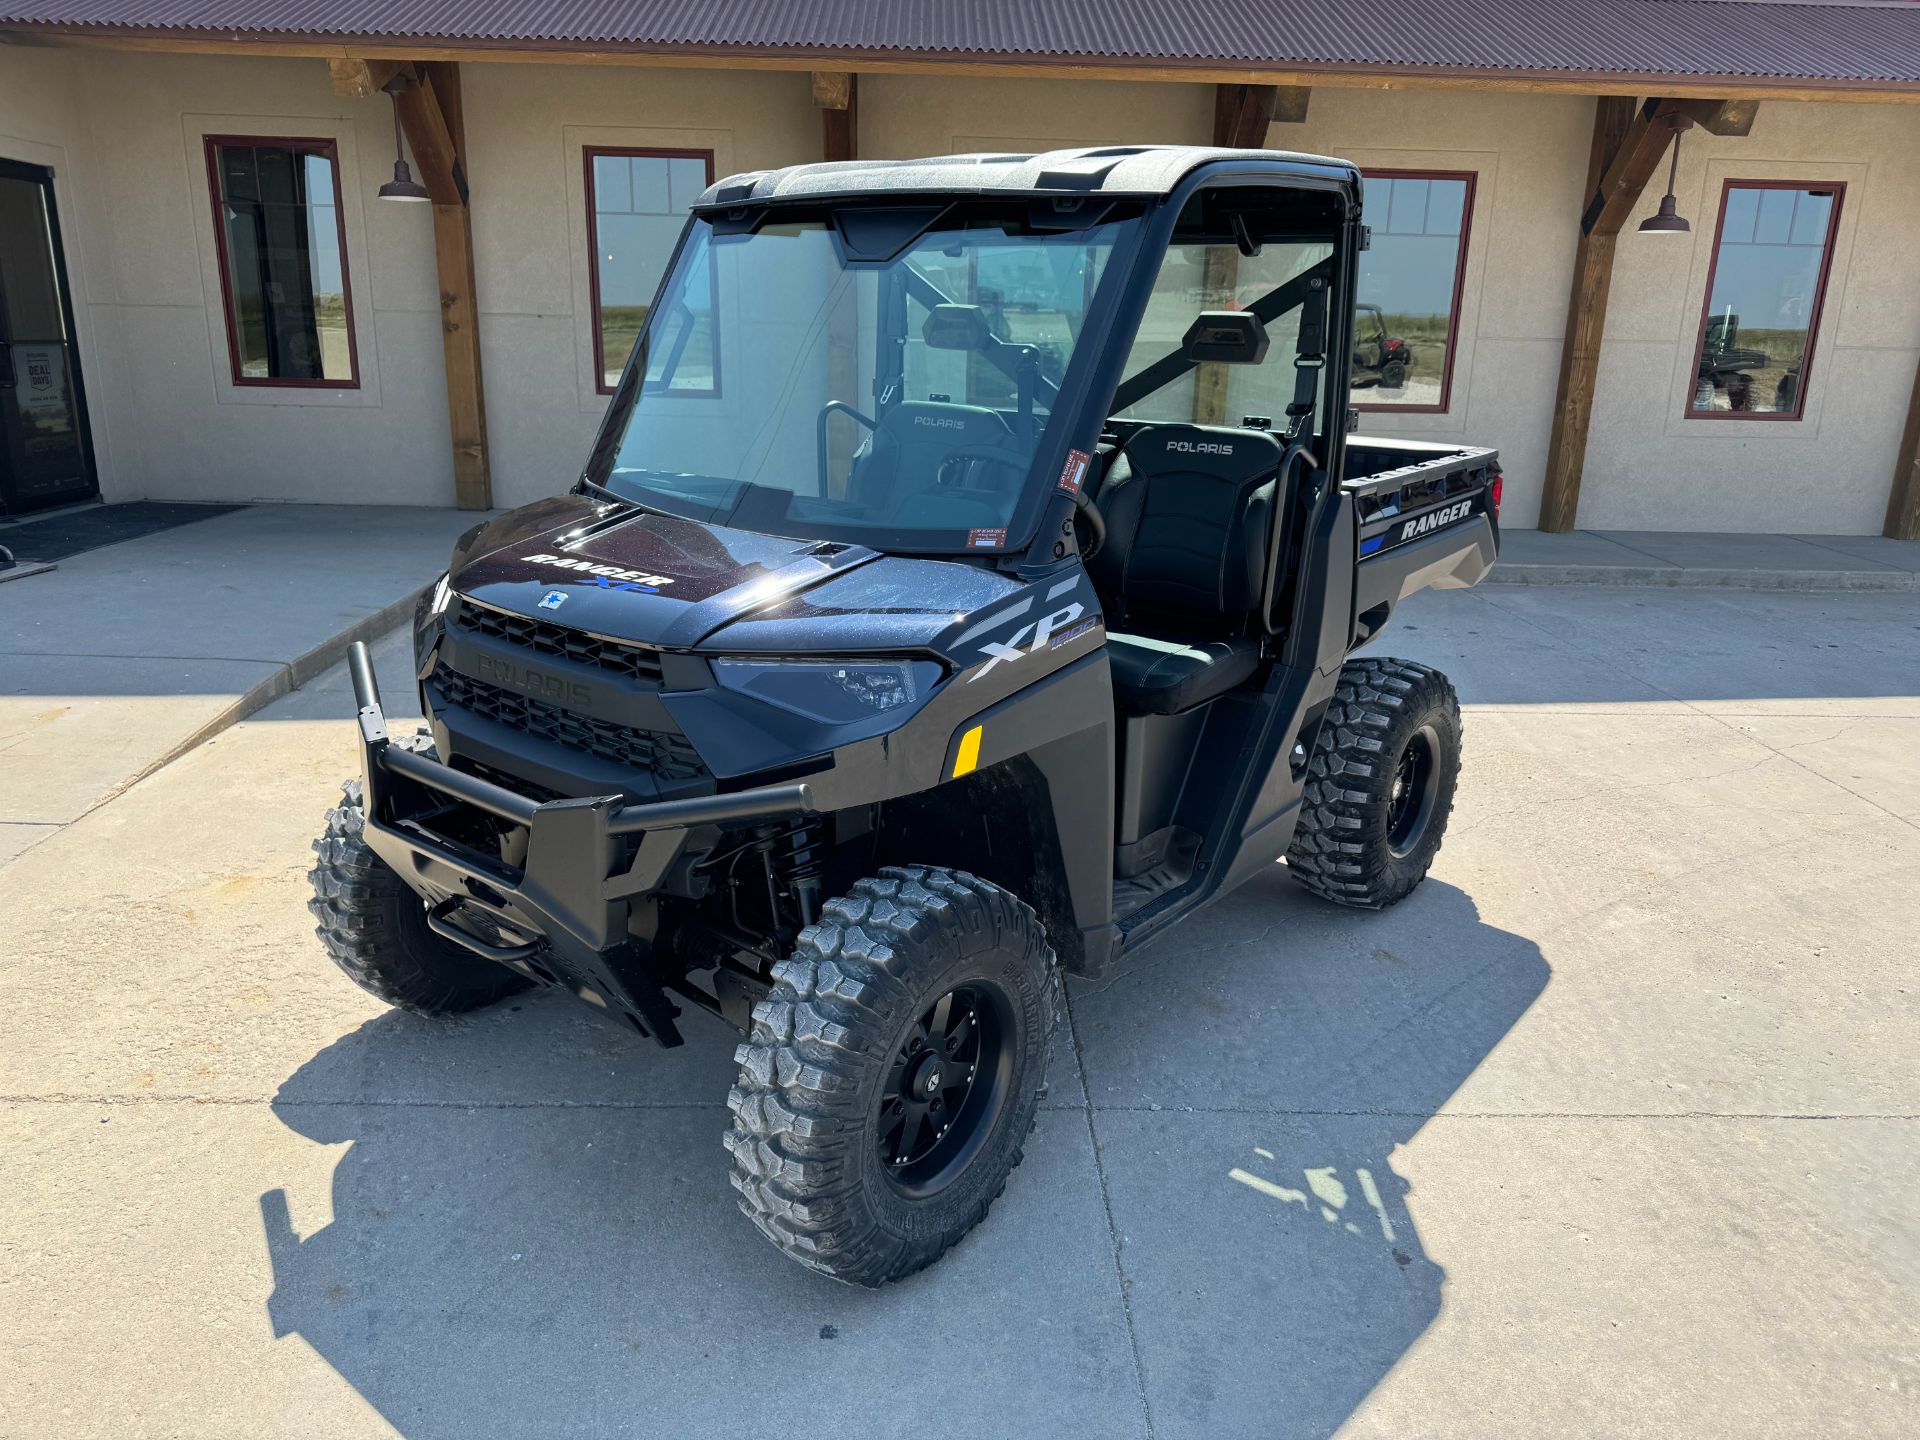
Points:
(955, 327)
(1225, 337)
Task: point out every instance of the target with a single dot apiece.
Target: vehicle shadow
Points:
(531, 1229)
(1253, 1079)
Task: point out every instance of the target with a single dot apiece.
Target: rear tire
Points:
(375, 928)
(1380, 784)
(892, 1074)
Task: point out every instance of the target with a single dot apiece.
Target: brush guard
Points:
(581, 909)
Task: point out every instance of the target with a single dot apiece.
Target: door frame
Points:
(43, 175)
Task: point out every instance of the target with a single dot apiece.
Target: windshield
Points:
(791, 389)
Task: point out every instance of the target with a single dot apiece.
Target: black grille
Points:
(557, 640)
(667, 756)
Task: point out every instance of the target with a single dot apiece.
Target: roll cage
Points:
(1096, 385)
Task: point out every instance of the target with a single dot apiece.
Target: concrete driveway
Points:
(1610, 1130)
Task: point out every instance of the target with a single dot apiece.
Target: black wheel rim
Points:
(944, 1089)
(1416, 780)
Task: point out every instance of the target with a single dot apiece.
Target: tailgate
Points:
(1433, 522)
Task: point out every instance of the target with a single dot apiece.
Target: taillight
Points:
(1495, 488)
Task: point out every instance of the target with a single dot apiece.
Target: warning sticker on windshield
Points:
(986, 539)
(1074, 474)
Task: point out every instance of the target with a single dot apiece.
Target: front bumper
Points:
(588, 861)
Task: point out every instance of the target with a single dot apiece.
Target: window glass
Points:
(637, 201)
(1405, 326)
(1196, 278)
(1763, 303)
(904, 398)
(277, 204)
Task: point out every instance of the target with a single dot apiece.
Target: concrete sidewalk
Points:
(1607, 1131)
(127, 656)
(1742, 562)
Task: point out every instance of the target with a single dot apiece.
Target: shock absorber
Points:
(798, 858)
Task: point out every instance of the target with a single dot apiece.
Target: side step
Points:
(1133, 893)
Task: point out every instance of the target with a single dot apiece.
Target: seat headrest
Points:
(1238, 457)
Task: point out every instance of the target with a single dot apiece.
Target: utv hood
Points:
(672, 583)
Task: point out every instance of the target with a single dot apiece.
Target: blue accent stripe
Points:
(1367, 547)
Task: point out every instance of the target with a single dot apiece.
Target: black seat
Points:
(1188, 511)
(898, 470)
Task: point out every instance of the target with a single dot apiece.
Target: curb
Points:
(21, 569)
(1673, 577)
(287, 678)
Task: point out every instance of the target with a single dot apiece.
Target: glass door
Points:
(46, 456)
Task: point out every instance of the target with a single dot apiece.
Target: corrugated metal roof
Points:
(1873, 42)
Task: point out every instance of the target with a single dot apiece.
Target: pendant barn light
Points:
(403, 186)
(1668, 220)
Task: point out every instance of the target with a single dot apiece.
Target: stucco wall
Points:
(1828, 473)
(1529, 154)
(527, 129)
(173, 421)
(124, 132)
(42, 122)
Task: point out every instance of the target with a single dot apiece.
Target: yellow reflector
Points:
(968, 755)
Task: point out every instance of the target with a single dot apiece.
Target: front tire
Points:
(1380, 784)
(893, 1072)
(375, 928)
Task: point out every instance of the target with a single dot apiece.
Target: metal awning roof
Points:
(1832, 43)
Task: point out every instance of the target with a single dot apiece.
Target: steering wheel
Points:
(820, 429)
(1085, 509)
(991, 454)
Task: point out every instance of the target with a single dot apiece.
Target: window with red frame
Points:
(283, 261)
(1771, 253)
(637, 200)
(1407, 311)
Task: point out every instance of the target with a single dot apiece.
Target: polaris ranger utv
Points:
(960, 591)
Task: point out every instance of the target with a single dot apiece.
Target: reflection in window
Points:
(1763, 300)
(637, 201)
(1405, 316)
(1194, 278)
(282, 260)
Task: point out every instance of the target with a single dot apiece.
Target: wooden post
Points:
(837, 94)
(1241, 115)
(434, 120)
(1626, 149)
(1903, 503)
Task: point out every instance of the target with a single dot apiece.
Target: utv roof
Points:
(1138, 170)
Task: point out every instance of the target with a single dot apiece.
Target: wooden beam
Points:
(433, 118)
(460, 347)
(431, 141)
(1730, 117)
(1613, 125)
(839, 124)
(1241, 115)
(1903, 501)
(361, 78)
(1458, 78)
(833, 89)
(352, 77)
(1290, 104)
(1638, 156)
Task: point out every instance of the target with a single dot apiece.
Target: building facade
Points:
(248, 320)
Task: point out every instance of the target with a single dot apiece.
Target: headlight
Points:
(834, 692)
(442, 594)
